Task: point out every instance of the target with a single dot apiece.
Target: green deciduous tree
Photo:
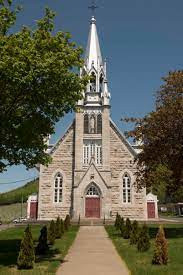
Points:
(42, 247)
(161, 135)
(26, 257)
(161, 248)
(143, 243)
(39, 84)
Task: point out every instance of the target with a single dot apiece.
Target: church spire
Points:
(93, 57)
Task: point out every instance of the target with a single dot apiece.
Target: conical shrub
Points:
(143, 243)
(58, 233)
(67, 223)
(117, 221)
(134, 233)
(51, 233)
(62, 226)
(42, 247)
(26, 257)
(122, 226)
(160, 256)
(127, 229)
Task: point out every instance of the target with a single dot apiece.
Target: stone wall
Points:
(63, 161)
(121, 161)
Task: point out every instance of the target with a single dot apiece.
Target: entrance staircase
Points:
(92, 221)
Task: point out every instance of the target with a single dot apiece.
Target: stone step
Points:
(92, 222)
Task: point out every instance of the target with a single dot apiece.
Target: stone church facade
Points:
(92, 169)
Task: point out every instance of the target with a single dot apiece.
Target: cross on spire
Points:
(93, 7)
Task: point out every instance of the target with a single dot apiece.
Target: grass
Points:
(15, 196)
(140, 263)
(9, 212)
(9, 247)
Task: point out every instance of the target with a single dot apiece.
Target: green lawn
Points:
(140, 263)
(9, 246)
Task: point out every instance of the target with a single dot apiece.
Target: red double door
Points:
(92, 208)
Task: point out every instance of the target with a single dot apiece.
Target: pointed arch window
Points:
(101, 83)
(99, 124)
(126, 188)
(92, 191)
(93, 82)
(58, 188)
(86, 124)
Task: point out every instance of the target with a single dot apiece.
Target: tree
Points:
(161, 248)
(117, 221)
(42, 246)
(122, 226)
(51, 233)
(160, 134)
(58, 232)
(127, 229)
(62, 226)
(67, 222)
(134, 233)
(143, 243)
(39, 84)
(26, 257)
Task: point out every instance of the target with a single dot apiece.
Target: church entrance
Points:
(92, 202)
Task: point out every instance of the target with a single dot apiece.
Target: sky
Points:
(142, 41)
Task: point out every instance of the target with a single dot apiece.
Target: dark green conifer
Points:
(26, 257)
(67, 223)
(122, 226)
(62, 226)
(51, 233)
(58, 232)
(127, 229)
(143, 243)
(42, 247)
(134, 233)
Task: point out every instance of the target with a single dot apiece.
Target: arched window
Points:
(86, 124)
(92, 124)
(92, 191)
(93, 82)
(126, 188)
(101, 83)
(58, 187)
(99, 124)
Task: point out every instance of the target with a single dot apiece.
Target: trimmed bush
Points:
(62, 226)
(117, 221)
(79, 220)
(122, 226)
(51, 233)
(127, 229)
(161, 248)
(26, 257)
(134, 233)
(67, 222)
(143, 243)
(58, 232)
(42, 247)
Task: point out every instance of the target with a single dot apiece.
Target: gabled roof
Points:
(123, 138)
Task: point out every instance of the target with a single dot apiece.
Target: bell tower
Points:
(92, 136)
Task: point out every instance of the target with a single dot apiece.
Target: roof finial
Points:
(93, 7)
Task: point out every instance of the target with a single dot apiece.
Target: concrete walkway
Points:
(93, 253)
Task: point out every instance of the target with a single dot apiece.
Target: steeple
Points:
(96, 93)
(93, 57)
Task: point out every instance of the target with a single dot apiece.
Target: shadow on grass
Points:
(170, 233)
(9, 250)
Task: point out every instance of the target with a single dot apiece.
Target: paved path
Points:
(92, 254)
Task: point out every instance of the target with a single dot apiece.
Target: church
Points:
(92, 170)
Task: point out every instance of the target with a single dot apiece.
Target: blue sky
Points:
(142, 41)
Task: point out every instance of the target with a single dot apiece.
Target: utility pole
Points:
(21, 206)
